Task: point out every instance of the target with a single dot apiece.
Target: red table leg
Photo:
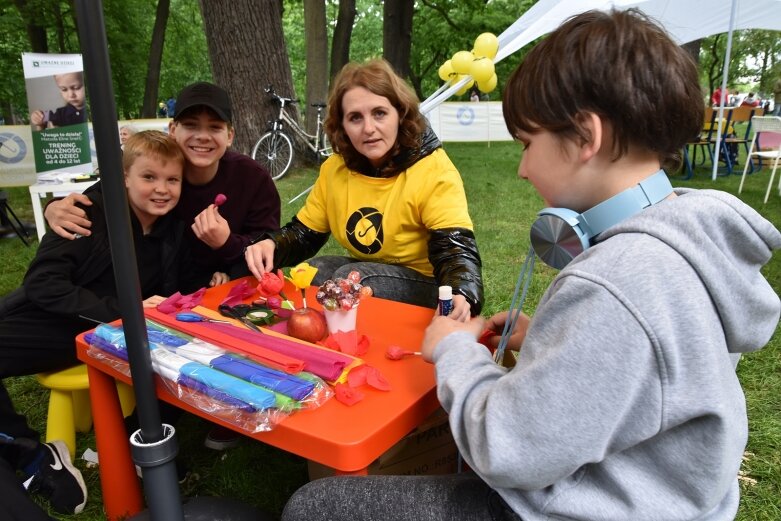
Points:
(121, 490)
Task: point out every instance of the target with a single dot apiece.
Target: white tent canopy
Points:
(685, 20)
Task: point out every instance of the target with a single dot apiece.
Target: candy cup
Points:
(341, 320)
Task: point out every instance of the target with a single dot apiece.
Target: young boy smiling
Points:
(68, 287)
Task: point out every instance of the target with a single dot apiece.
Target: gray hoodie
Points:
(624, 403)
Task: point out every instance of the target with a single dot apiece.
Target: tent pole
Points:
(724, 88)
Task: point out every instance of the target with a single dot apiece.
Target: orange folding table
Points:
(345, 438)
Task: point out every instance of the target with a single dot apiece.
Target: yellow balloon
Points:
(446, 72)
(463, 90)
(486, 46)
(489, 85)
(482, 69)
(461, 61)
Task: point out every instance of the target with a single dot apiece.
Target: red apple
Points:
(307, 324)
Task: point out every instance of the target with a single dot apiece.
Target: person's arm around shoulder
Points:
(66, 219)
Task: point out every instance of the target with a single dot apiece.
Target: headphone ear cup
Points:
(557, 238)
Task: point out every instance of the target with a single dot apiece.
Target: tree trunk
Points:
(340, 48)
(397, 34)
(316, 59)
(149, 110)
(36, 33)
(247, 51)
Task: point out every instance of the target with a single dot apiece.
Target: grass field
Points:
(502, 207)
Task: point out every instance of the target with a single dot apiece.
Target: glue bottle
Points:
(445, 305)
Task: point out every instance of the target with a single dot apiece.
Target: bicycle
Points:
(274, 150)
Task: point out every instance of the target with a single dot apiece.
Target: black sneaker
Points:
(221, 438)
(58, 480)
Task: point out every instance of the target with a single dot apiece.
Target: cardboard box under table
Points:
(346, 439)
(428, 450)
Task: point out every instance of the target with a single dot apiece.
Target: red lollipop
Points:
(220, 199)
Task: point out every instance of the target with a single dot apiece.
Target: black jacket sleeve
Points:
(295, 242)
(453, 253)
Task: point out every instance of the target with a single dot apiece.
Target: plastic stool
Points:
(69, 405)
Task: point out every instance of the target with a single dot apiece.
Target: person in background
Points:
(619, 406)
(70, 286)
(718, 94)
(216, 237)
(125, 131)
(777, 97)
(71, 87)
(390, 196)
(170, 107)
(750, 101)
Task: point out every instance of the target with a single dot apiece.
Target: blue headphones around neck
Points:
(559, 234)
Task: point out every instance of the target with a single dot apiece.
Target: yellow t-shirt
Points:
(388, 220)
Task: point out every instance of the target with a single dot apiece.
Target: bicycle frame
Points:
(311, 141)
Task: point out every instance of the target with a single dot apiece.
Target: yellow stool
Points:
(69, 405)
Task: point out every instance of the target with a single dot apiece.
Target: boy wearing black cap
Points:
(203, 129)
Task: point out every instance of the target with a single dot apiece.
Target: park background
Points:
(157, 47)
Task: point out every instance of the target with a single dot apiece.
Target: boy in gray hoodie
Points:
(624, 402)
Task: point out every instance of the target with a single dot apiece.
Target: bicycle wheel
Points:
(274, 151)
(325, 150)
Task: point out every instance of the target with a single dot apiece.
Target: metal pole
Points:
(160, 482)
(724, 88)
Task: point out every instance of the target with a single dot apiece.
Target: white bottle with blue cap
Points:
(445, 305)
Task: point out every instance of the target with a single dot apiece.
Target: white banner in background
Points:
(58, 112)
(469, 121)
(17, 164)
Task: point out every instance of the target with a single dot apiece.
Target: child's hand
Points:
(218, 278)
(496, 324)
(440, 327)
(210, 227)
(37, 118)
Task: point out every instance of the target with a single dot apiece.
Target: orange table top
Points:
(347, 438)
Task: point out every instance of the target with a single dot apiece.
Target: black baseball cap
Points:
(208, 95)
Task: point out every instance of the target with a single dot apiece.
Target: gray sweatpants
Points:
(398, 498)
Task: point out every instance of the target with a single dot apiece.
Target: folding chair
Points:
(706, 142)
(742, 114)
(766, 124)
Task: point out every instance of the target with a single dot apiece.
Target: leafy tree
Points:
(340, 48)
(13, 97)
(443, 27)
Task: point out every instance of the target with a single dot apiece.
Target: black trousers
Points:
(32, 341)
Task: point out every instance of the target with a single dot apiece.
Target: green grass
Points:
(502, 207)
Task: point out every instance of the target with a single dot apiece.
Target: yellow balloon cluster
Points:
(477, 63)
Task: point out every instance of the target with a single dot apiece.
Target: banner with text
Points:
(58, 112)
